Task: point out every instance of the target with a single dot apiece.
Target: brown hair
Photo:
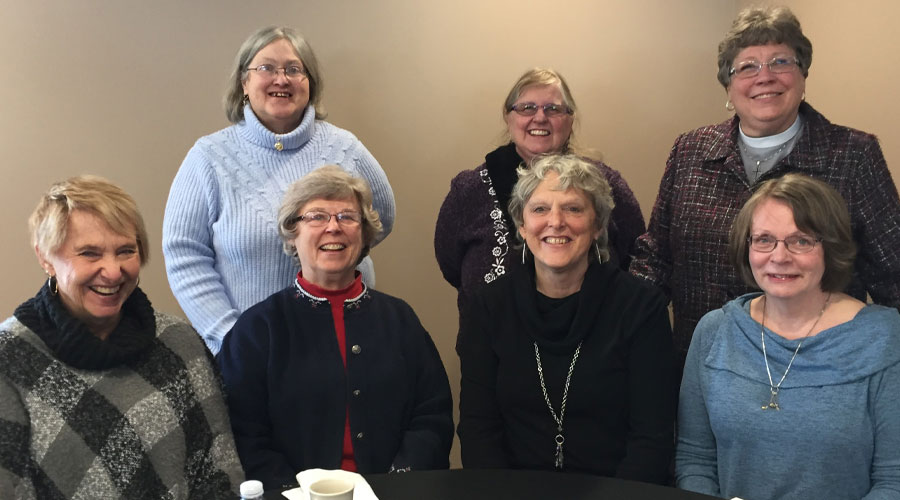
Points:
(818, 210)
(762, 26)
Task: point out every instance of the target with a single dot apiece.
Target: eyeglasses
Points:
(794, 244)
(317, 218)
(270, 71)
(550, 110)
(752, 67)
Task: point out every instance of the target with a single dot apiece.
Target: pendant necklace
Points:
(765, 159)
(774, 388)
(560, 439)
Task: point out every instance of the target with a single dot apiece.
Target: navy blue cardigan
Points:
(288, 390)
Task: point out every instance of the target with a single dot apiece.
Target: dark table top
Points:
(502, 484)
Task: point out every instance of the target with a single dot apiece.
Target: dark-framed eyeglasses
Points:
(550, 110)
(318, 218)
(270, 71)
(752, 67)
(795, 244)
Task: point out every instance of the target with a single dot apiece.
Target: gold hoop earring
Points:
(729, 106)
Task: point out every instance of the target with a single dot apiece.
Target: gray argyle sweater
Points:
(139, 415)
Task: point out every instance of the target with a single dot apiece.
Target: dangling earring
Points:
(245, 99)
(803, 96)
(53, 285)
(597, 248)
(729, 105)
(524, 246)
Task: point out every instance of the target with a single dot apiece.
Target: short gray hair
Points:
(234, 95)
(574, 172)
(330, 182)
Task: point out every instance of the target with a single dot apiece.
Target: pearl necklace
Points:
(773, 388)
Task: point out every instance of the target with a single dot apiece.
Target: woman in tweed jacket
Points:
(712, 171)
(101, 396)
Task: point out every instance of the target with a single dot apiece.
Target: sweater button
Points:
(356, 392)
(356, 349)
(359, 435)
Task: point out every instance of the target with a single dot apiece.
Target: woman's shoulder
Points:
(10, 329)
(470, 178)
(724, 320)
(332, 133)
(272, 306)
(840, 134)
(703, 139)
(630, 288)
(227, 135)
(470, 191)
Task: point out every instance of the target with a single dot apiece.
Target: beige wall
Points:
(123, 88)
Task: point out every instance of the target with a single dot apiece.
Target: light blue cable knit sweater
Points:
(220, 233)
(837, 435)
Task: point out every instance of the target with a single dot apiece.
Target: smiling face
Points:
(780, 273)
(539, 134)
(768, 103)
(329, 254)
(279, 103)
(96, 270)
(559, 228)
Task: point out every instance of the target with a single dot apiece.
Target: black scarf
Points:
(560, 329)
(72, 342)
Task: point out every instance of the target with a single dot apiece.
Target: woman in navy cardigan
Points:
(328, 373)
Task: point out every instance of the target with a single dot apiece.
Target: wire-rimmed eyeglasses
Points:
(795, 244)
(270, 71)
(752, 67)
(318, 218)
(550, 110)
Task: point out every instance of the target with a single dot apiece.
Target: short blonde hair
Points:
(538, 77)
(48, 223)
(330, 182)
(574, 172)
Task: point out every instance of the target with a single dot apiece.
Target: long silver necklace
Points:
(774, 388)
(560, 439)
(765, 159)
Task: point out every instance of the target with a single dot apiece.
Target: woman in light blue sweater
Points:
(793, 393)
(221, 253)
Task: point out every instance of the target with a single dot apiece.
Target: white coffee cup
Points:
(330, 488)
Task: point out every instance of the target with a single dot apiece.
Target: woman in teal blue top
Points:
(792, 393)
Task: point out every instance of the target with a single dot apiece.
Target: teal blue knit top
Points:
(837, 435)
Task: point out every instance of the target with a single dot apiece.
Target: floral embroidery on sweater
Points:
(501, 232)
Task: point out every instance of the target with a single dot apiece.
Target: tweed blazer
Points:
(685, 248)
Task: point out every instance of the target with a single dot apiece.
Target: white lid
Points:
(252, 488)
